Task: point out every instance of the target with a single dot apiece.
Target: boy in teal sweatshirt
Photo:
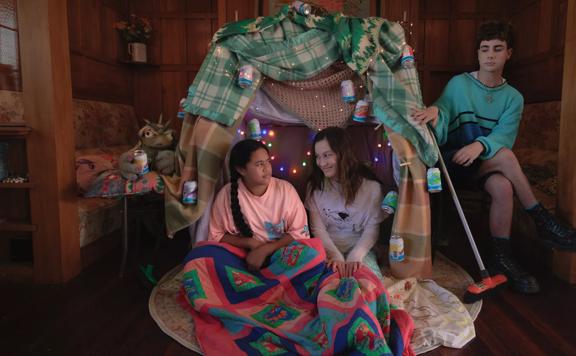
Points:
(476, 121)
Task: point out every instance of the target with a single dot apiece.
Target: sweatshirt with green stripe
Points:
(469, 111)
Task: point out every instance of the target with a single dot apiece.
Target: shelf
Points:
(14, 130)
(140, 64)
(16, 226)
(26, 185)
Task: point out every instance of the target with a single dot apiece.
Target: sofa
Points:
(103, 132)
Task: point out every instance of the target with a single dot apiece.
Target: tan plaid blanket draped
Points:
(201, 153)
(412, 218)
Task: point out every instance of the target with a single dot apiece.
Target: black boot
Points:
(551, 232)
(502, 262)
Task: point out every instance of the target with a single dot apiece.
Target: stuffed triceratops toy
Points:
(157, 140)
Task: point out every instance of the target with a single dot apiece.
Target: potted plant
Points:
(136, 31)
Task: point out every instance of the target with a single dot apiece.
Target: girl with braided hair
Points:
(256, 211)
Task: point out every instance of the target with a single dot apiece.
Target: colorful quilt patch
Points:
(269, 344)
(345, 290)
(242, 281)
(366, 339)
(276, 314)
(193, 286)
(291, 255)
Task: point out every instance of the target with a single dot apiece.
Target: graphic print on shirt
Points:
(275, 231)
(340, 218)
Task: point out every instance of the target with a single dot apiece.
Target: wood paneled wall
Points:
(182, 32)
(443, 33)
(536, 65)
(96, 52)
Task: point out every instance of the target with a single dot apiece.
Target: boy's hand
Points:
(467, 154)
(422, 117)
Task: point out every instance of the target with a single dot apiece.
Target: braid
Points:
(239, 221)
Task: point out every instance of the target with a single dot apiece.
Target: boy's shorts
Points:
(465, 178)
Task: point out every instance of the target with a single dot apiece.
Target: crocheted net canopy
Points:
(318, 100)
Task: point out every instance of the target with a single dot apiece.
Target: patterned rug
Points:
(439, 317)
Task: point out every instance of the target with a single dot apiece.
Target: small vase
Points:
(137, 52)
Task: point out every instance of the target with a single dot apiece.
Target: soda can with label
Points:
(407, 60)
(396, 248)
(302, 8)
(254, 131)
(141, 162)
(348, 93)
(246, 76)
(390, 202)
(361, 111)
(434, 180)
(190, 192)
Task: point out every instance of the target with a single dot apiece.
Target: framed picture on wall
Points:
(356, 8)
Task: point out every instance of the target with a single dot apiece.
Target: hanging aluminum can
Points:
(254, 131)
(246, 76)
(407, 60)
(190, 192)
(396, 248)
(302, 8)
(361, 111)
(390, 202)
(434, 180)
(348, 94)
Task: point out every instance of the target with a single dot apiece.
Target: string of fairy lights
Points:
(295, 164)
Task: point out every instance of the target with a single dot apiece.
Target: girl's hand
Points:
(351, 268)
(345, 269)
(256, 257)
(430, 114)
(337, 267)
(254, 244)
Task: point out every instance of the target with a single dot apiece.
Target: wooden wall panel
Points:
(462, 42)
(182, 32)
(148, 94)
(174, 87)
(437, 44)
(47, 102)
(536, 65)
(173, 36)
(198, 44)
(97, 52)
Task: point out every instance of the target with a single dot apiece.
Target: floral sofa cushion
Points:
(99, 124)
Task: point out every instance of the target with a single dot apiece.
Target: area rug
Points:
(439, 316)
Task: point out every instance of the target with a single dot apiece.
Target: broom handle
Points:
(457, 203)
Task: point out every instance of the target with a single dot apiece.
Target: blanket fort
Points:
(292, 306)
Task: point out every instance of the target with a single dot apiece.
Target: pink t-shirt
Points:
(278, 211)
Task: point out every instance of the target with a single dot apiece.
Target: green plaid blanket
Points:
(289, 46)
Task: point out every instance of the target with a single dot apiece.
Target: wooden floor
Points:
(99, 313)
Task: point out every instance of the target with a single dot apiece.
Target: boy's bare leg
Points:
(502, 205)
(505, 161)
(551, 231)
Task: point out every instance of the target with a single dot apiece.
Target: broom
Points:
(489, 284)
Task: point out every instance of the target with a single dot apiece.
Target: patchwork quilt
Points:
(294, 305)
